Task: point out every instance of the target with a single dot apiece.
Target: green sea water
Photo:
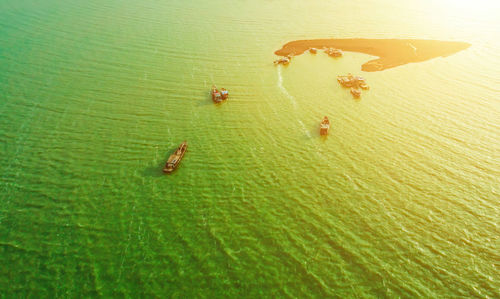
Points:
(400, 200)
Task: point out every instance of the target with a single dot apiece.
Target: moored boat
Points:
(332, 52)
(324, 127)
(174, 159)
(284, 60)
(216, 95)
(355, 82)
(224, 93)
(346, 81)
(355, 92)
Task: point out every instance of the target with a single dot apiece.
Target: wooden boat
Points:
(284, 61)
(355, 92)
(313, 50)
(224, 93)
(174, 159)
(334, 52)
(353, 81)
(346, 81)
(324, 127)
(216, 95)
(359, 80)
(364, 86)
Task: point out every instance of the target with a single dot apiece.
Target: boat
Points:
(356, 83)
(174, 159)
(284, 60)
(345, 81)
(324, 127)
(332, 52)
(224, 93)
(216, 95)
(355, 92)
(353, 81)
(313, 50)
(359, 80)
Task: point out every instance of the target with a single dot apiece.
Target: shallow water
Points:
(401, 199)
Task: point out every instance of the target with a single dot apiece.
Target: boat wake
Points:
(283, 89)
(304, 128)
(292, 100)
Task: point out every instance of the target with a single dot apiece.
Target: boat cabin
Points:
(324, 126)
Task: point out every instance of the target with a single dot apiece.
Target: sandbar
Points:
(390, 52)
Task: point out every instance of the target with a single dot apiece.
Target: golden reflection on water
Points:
(460, 10)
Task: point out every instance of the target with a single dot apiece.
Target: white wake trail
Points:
(283, 89)
(304, 128)
(292, 100)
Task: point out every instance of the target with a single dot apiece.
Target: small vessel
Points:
(174, 159)
(324, 127)
(332, 52)
(352, 81)
(346, 81)
(216, 95)
(284, 60)
(359, 80)
(355, 92)
(313, 50)
(224, 93)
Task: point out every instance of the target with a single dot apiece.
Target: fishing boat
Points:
(174, 159)
(224, 93)
(284, 61)
(216, 95)
(346, 81)
(355, 92)
(324, 127)
(334, 52)
(353, 81)
(359, 80)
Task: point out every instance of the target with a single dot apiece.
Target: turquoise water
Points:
(401, 199)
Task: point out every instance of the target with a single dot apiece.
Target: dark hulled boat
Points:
(174, 159)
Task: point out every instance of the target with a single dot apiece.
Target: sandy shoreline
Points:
(391, 52)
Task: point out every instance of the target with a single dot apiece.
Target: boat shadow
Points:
(156, 169)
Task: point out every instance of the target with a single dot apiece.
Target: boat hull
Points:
(323, 131)
(217, 96)
(324, 127)
(175, 159)
(355, 93)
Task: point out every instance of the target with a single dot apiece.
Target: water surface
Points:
(401, 200)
